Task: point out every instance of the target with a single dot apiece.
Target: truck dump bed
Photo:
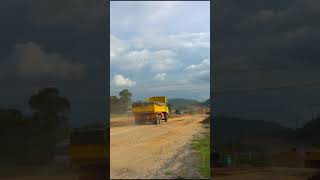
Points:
(88, 147)
(153, 110)
(149, 107)
(161, 99)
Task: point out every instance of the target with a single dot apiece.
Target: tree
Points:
(121, 104)
(125, 99)
(49, 109)
(125, 95)
(114, 104)
(114, 99)
(49, 101)
(12, 121)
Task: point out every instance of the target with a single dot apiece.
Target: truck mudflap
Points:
(150, 118)
(145, 118)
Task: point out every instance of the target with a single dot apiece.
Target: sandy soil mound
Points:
(206, 120)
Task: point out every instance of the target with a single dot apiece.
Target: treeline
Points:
(32, 139)
(121, 104)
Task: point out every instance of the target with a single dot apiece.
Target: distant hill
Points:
(232, 130)
(310, 132)
(206, 103)
(180, 102)
(183, 103)
(231, 134)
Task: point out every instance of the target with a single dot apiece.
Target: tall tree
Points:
(125, 99)
(50, 109)
(48, 100)
(125, 95)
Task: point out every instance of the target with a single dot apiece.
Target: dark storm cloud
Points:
(266, 52)
(59, 43)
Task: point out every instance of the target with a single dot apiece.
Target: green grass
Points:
(168, 173)
(202, 146)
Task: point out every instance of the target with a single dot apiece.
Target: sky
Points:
(259, 47)
(267, 60)
(160, 48)
(55, 43)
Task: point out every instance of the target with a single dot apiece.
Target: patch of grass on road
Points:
(202, 145)
(168, 173)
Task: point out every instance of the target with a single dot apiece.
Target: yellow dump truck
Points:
(153, 110)
(89, 152)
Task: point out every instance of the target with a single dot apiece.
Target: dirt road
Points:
(142, 151)
(275, 173)
(46, 177)
(32, 172)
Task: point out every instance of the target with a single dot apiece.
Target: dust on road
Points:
(140, 151)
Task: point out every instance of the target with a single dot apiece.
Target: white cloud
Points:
(199, 71)
(119, 81)
(163, 65)
(160, 76)
(31, 60)
(160, 15)
(156, 61)
(125, 58)
(144, 16)
(205, 64)
(201, 39)
(134, 60)
(157, 52)
(117, 47)
(162, 60)
(202, 75)
(173, 41)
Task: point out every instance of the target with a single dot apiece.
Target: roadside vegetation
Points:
(202, 146)
(31, 139)
(121, 104)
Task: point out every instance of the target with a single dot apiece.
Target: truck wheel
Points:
(166, 117)
(158, 119)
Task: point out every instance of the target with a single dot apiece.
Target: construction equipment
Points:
(154, 110)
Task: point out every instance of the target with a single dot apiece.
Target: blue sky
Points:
(160, 48)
